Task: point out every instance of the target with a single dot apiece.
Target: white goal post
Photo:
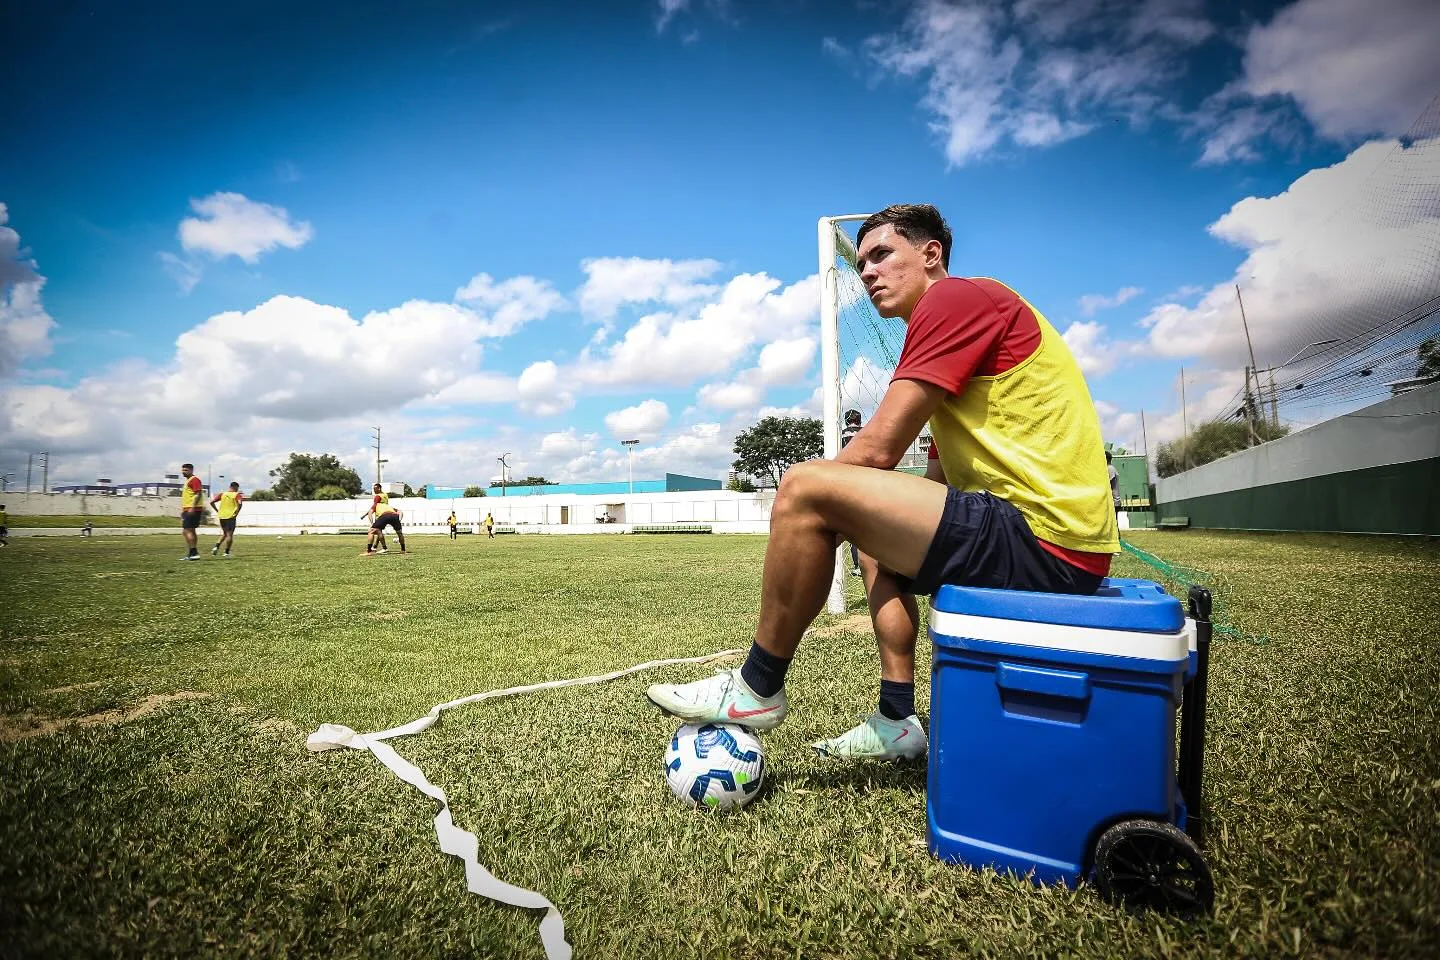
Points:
(858, 353)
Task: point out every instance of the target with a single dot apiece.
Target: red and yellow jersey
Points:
(229, 504)
(381, 505)
(1018, 421)
(192, 494)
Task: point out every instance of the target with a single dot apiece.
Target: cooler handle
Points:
(1049, 683)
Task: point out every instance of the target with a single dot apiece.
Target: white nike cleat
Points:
(879, 738)
(214, 550)
(723, 698)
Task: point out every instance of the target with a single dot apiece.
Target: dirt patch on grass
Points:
(27, 725)
(855, 623)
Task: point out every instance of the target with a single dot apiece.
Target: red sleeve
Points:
(955, 328)
(194, 484)
(934, 449)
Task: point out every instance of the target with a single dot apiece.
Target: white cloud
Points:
(1341, 250)
(231, 224)
(509, 304)
(540, 392)
(676, 349)
(668, 10)
(1087, 342)
(1041, 71)
(1354, 69)
(781, 363)
(25, 326)
(612, 282)
(738, 395)
(186, 273)
(642, 421)
(1092, 303)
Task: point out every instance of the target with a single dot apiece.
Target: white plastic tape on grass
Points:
(462, 843)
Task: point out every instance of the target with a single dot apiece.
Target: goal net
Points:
(859, 350)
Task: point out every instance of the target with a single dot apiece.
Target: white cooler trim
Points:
(1053, 636)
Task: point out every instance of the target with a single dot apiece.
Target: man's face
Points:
(186, 472)
(894, 270)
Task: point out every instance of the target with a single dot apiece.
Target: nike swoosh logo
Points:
(734, 714)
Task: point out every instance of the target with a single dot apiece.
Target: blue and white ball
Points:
(718, 766)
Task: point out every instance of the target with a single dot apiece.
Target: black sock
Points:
(764, 672)
(897, 700)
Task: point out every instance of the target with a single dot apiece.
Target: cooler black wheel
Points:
(1149, 865)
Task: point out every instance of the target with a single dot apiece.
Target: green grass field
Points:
(158, 800)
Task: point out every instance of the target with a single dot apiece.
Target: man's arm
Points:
(906, 407)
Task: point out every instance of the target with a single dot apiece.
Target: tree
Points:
(261, 494)
(1428, 354)
(741, 485)
(527, 482)
(407, 492)
(306, 473)
(331, 492)
(1211, 441)
(474, 491)
(774, 444)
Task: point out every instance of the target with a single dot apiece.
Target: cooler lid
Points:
(1120, 604)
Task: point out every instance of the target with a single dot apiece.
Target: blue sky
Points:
(542, 228)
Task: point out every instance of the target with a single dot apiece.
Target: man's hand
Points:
(906, 407)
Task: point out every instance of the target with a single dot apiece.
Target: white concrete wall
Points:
(89, 505)
(725, 510)
(1398, 430)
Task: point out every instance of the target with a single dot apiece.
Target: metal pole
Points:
(1274, 404)
(1249, 406)
(29, 469)
(45, 474)
(1184, 425)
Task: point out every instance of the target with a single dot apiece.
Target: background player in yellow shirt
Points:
(192, 509)
(230, 502)
(454, 522)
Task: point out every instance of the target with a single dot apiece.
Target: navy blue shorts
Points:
(190, 519)
(983, 541)
(391, 519)
(227, 526)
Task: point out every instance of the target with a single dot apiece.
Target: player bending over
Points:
(230, 502)
(1016, 494)
(385, 515)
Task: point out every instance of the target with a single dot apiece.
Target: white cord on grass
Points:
(462, 843)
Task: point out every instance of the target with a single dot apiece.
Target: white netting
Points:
(869, 344)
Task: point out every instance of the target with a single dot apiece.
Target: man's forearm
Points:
(863, 452)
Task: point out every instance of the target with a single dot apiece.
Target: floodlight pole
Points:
(631, 445)
(503, 466)
(375, 442)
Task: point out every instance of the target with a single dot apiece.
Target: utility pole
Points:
(45, 472)
(1184, 424)
(503, 466)
(1274, 403)
(631, 445)
(1145, 439)
(375, 442)
(1249, 403)
(29, 469)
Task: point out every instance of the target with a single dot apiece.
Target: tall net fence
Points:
(1360, 297)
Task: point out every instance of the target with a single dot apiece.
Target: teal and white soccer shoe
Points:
(879, 738)
(723, 698)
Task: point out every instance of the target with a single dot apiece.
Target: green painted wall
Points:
(1395, 498)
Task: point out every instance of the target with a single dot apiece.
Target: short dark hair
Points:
(187, 466)
(916, 222)
(852, 416)
(234, 484)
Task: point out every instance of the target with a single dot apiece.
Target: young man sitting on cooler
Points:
(1016, 495)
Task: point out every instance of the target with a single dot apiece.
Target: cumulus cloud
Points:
(231, 224)
(1038, 72)
(1088, 342)
(539, 390)
(1354, 69)
(781, 363)
(25, 326)
(642, 421)
(509, 304)
(1092, 303)
(678, 348)
(612, 282)
(1341, 250)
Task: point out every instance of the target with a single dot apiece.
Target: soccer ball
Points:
(719, 766)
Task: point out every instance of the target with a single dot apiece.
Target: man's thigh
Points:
(890, 516)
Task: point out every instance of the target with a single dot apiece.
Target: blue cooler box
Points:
(1051, 718)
